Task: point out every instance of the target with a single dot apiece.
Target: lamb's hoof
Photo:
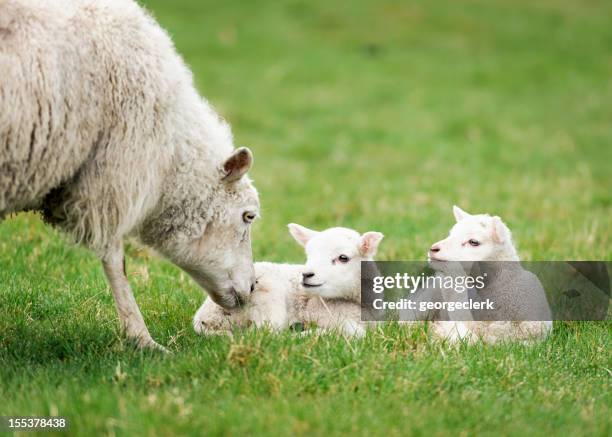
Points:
(297, 327)
(218, 333)
(357, 333)
(309, 333)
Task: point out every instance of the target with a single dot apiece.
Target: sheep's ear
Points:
(500, 231)
(237, 165)
(369, 243)
(459, 213)
(301, 234)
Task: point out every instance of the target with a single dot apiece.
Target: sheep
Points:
(523, 314)
(104, 133)
(325, 291)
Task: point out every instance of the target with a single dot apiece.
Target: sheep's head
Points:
(210, 237)
(333, 266)
(474, 238)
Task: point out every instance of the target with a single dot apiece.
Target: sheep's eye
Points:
(343, 259)
(474, 243)
(248, 217)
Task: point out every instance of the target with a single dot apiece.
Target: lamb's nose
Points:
(307, 275)
(252, 287)
(434, 249)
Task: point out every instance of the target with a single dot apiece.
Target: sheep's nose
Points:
(434, 249)
(252, 287)
(307, 275)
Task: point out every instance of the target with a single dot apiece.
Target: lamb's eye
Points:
(343, 259)
(248, 217)
(474, 242)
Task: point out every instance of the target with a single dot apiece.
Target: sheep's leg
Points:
(129, 314)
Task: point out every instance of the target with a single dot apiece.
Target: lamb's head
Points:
(333, 265)
(477, 237)
(210, 238)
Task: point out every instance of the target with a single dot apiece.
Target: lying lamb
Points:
(325, 291)
(517, 292)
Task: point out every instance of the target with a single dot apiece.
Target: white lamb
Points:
(517, 292)
(325, 291)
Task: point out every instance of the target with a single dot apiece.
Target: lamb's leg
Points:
(211, 319)
(129, 314)
(453, 332)
(352, 328)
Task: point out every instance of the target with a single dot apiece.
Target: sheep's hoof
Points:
(158, 347)
(149, 344)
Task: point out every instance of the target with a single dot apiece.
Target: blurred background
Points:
(380, 115)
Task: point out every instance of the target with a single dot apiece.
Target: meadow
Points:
(375, 115)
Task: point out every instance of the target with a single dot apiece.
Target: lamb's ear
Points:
(301, 234)
(237, 165)
(369, 243)
(459, 213)
(500, 231)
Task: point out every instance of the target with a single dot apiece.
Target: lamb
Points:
(325, 291)
(104, 133)
(523, 314)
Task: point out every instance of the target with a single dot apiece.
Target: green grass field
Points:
(376, 116)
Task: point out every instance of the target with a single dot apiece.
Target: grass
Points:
(372, 115)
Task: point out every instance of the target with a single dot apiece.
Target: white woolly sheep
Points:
(325, 291)
(525, 316)
(103, 131)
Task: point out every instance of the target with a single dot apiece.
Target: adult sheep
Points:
(102, 130)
